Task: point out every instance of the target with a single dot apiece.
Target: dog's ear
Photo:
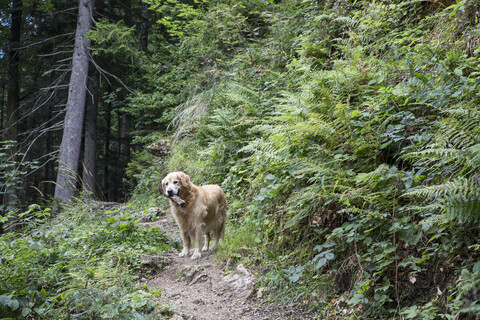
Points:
(184, 180)
(161, 187)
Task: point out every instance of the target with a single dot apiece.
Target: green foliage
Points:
(113, 39)
(12, 171)
(83, 264)
(345, 135)
(454, 153)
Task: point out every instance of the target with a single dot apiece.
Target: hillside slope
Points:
(345, 134)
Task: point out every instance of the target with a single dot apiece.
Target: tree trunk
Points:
(90, 147)
(144, 27)
(2, 111)
(123, 154)
(13, 88)
(47, 170)
(72, 128)
(106, 151)
(13, 103)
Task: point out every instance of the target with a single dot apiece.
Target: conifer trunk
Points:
(13, 87)
(144, 27)
(72, 128)
(90, 147)
(10, 190)
(106, 151)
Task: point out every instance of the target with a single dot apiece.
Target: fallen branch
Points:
(177, 200)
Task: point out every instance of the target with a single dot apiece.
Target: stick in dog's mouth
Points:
(177, 200)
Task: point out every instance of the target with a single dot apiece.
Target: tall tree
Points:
(13, 102)
(13, 89)
(144, 27)
(90, 146)
(106, 150)
(72, 128)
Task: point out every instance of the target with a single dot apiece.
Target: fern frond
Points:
(190, 112)
(347, 21)
(454, 132)
(262, 150)
(241, 95)
(313, 171)
(432, 155)
(472, 156)
(460, 198)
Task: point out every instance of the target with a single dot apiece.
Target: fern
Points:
(262, 151)
(456, 148)
(458, 198)
(191, 112)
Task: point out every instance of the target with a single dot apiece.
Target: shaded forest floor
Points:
(204, 289)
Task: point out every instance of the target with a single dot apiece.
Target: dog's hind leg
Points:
(198, 242)
(207, 242)
(217, 238)
(219, 231)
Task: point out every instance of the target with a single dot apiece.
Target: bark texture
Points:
(90, 147)
(144, 27)
(10, 190)
(13, 87)
(72, 129)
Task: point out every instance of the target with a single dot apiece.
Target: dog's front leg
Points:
(186, 245)
(198, 244)
(207, 242)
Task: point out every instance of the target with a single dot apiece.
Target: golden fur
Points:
(204, 211)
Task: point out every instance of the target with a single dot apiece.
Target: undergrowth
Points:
(84, 263)
(346, 139)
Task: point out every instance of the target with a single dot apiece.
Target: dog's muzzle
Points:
(171, 192)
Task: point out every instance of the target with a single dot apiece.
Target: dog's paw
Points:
(183, 254)
(205, 249)
(196, 255)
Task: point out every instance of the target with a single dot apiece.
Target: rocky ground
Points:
(205, 289)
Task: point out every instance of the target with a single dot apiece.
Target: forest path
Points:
(202, 289)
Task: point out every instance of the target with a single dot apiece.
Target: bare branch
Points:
(104, 72)
(42, 41)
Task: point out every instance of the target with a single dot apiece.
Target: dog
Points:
(204, 212)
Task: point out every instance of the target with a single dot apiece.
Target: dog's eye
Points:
(175, 182)
(166, 183)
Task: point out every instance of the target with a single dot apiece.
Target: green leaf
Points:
(411, 312)
(321, 262)
(13, 304)
(26, 311)
(270, 177)
(421, 77)
(329, 256)
(476, 267)
(4, 299)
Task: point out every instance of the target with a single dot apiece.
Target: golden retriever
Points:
(204, 211)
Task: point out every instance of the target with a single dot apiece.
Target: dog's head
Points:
(174, 183)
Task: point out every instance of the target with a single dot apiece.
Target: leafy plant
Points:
(79, 264)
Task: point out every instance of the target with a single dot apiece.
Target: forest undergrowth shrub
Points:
(12, 170)
(84, 263)
(382, 252)
(336, 137)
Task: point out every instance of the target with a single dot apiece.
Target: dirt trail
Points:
(201, 289)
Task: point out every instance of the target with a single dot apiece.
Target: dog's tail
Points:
(222, 220)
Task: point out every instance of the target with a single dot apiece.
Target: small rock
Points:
(199, 278)
(188, 272)
(260, 292)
